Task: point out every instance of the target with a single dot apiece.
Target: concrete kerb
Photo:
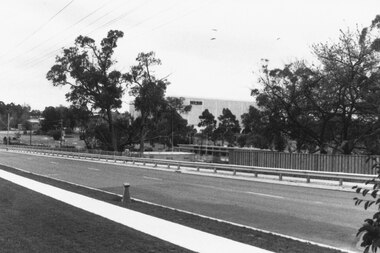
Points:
(191, 213)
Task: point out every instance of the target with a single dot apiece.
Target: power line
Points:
(43, 25)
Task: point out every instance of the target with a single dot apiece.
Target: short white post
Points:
(126, 196)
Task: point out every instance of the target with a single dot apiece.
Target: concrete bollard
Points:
(126, 196)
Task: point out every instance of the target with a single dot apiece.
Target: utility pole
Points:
(172, 133)
(30, 139)
(61, 130)
(8, 131)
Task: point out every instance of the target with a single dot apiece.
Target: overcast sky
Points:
(210, 49)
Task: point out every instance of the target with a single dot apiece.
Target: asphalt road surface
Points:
(318, 215)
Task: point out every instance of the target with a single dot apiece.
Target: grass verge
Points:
(32, 222)
(242, 234)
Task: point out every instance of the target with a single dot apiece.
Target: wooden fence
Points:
(316, 162)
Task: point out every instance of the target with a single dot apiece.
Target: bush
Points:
(56, 134)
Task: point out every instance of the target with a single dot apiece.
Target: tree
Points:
(170, 128)
(262, 129)
(86, 69)
(228, 126)
(331, 105)
(208, 122)
(18, 114)
(149, 92)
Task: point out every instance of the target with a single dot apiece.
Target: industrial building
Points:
(214, 106)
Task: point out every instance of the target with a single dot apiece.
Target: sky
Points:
(208, 48)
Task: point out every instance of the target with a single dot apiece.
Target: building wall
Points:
(215, 106)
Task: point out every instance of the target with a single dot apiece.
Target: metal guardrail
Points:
(215, 167)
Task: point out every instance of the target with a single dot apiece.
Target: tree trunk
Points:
(111, 129)
(142, 133)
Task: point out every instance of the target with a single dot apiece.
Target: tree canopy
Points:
(149, 92)
(87, 69)
(333, 104)
(228, 126)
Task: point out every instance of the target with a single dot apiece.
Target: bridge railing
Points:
(213, 167)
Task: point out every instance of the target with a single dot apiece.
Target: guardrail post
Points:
(198, 169)
(234, 173)
(340, 181)
(215, 170)
(280, 177)
(126, 196)
(307, 179)
(256, 174)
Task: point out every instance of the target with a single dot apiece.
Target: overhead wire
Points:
(123, 15)
(30, 50)
(44, 24)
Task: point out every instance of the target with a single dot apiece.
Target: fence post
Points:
(280, 177)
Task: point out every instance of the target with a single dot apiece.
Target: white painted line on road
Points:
(265, 195)
(54, 162)
(153, 178)
(237, 191)
(183, 236)
(93, 169)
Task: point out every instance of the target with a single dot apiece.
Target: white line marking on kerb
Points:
(153, 178)
(93, 169)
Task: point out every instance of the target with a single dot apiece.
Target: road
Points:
(318, 215)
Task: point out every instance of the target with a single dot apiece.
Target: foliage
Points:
(208, 124)
(169, 127)
(53, 117)
(18, 114)
(370, 230)
(96, 133)
(331, 105)
(86, 69)
(149, 92)
(262, 129)
(228, 126)
(56, 134)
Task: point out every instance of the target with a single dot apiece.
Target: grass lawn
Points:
(245, 235)
(31, 222)
(70, 140)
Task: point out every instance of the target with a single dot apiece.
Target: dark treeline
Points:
(18, 114)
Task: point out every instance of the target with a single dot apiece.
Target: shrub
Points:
(56, 134)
